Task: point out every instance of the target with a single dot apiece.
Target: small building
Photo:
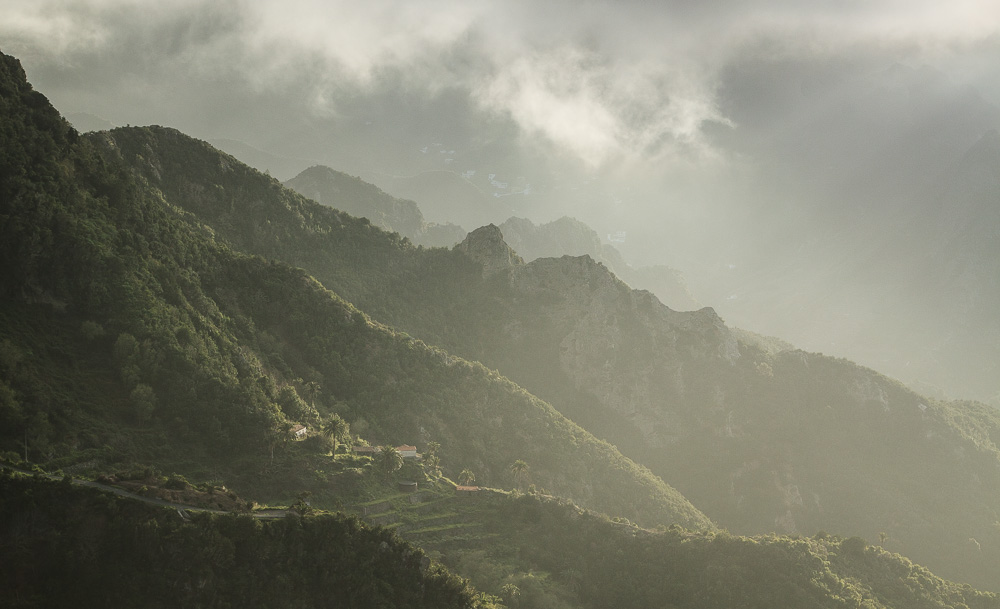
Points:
(466, 490)
(364, 450)
(407, 451)
(407, 486)
(299, 431)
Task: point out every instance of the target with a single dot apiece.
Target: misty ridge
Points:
(810, 172)
(501, 305)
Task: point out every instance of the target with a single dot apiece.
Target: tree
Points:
(510, 594)
(143, 402)
(302, 504)
(312, 391)
(388, 460)
(337, 429)
(520, 470)
(431, 460)
(466, 477)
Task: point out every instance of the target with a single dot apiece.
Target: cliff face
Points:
(486, 246)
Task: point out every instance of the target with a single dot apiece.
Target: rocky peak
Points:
(486, 246)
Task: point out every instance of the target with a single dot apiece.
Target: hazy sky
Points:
(609, 82)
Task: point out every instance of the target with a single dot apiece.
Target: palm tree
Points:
(466, 477)
(388, 460)
(520, 469)
(336, 429)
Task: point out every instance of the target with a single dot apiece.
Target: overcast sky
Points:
(606, 81)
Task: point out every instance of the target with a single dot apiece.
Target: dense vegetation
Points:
(764, 439)
(133, 331)
(131, 335)
(588, 561)
(68, 546)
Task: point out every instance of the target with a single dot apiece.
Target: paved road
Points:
(181, 508)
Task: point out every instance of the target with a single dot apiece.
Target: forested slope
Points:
(68, 546)
(763, 440)
(132, 335)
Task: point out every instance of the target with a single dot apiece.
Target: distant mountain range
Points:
(364, 200)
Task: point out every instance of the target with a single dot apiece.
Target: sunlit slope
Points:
(762, 440)
(562, 556)
(131, 334)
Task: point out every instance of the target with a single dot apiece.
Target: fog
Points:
(815, 169)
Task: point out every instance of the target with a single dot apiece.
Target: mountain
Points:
(364, 200)
(135, 334)
(132, 334)
(760, 437)
(569, 236)
(446, 196)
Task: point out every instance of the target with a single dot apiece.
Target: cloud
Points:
(605, 81)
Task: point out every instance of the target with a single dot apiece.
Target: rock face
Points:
(486, 246)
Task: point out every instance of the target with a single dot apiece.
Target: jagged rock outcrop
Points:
(486, 246)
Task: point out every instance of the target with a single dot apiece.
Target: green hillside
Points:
(135, 338)
(68, 546)
(762, 440)
(567, 557)
(132, 335)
